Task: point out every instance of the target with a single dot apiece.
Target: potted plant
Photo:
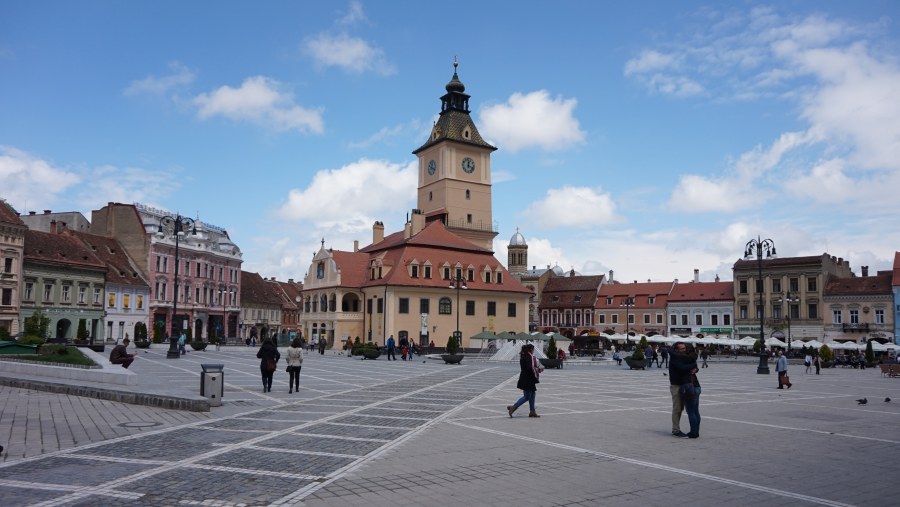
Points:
(452, 356)
(37, 325)
(140, 336)
(551, 361)
(826, 356)
(366, 350)
(637, 360)
(81, 335)
(159, 332)
(870, 355)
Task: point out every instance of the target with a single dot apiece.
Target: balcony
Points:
(475, 226)
(855, 328)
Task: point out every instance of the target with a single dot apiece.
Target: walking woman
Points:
(294, 364)
(528, 380)
(692, 400)
(269, 356)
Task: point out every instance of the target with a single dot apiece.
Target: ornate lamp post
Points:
(789, 299)
(458, 282)
(756, 247)
(168, 227)
(629, 302)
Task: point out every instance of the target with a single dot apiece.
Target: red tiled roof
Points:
(638, 292)
(571, 291)
(702, 291)
(255, 290)
(574, 283)
(120, 268)
(8, 214)
(433, 234)
(879, 284)
(353, 267)
(896, 280)
(62, 249)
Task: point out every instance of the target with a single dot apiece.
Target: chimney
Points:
(53, 226)
(572, 273)
(696, 275)
(865, 270)
(377, 233)
(418, 221)
(611, 276)
(717, 277)
(32, 213)
(46, 212)
(291, 281)
(355, 245)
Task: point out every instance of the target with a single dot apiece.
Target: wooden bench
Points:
(891, 370)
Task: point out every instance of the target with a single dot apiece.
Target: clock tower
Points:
(455, 171)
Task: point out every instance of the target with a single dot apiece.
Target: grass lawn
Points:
(71, 356)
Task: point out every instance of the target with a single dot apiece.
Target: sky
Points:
(650, 139)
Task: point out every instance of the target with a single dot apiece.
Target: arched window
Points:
(445, 306)
(468, 195)
(323, 302)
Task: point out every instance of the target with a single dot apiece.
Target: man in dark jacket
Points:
(680, 369)
(120, 355)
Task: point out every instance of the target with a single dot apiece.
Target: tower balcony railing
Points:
(471, 226)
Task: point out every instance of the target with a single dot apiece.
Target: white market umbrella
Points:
(775, 342)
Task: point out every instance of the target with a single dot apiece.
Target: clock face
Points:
(468, 165)
(432, 166)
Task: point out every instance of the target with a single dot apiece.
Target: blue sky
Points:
(650, 139)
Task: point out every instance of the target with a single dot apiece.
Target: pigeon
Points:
(887, 400)
(862, 401)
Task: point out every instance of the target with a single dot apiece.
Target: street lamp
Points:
(458, 282)
(175, 226)
(756, 247)
(788, 298)
(629, 302)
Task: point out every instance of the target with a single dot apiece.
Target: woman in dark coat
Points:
(528, 380)
(267, 352)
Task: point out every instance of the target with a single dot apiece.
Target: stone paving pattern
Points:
(422, 433)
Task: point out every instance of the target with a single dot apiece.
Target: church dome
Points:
(558, 271)
(517, 239)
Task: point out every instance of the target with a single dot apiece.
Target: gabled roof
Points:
(8, 214)
(878, 285)
(291, 291)
(702, 291)
(59, 249)
(120, 268)
(636, 289)
(574, 283)
(353, 267)
(571, 291)
(434, 234)
(255, 290)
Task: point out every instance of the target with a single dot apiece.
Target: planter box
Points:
(371, 354)
(637, 364)
(551, 363)
(142, 344)
(198, 345)
(452, 358)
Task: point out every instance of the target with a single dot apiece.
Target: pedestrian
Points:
(617, 358)
(817, 363)
(529, 377)
(690, 395)
(807, 361)
(654, 356)
(295, 364)
(664, 354)
(431, 347)
(572, 349)
(181, 340)
(681, 367)
(269, 356)
(389, 346)
(120, 355)
(705, 356)
(561, 355)
(781, 369)
(403, 350)
(322, 344)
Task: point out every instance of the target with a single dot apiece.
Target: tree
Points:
(638, 353)
(140, 332)
(870, 354)
(159, 331)
(551, 348)
(825, 353)
(81, 334)
(37, 324)
(756, 346)
(452, 345)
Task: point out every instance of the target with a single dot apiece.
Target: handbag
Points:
(784, 380)
(270, 365)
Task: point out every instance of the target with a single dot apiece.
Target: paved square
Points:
(417, 433)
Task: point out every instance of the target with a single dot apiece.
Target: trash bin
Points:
(212, 383)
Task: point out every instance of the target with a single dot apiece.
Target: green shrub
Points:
(638, 354)
(870, 354)
(159, 332)
(37, 324)
(53, 349)
(361, 348)
(188, 335)
(81, 334)
(551, 348)
(756, 346)
(31, 339)
(213, 337)
(140, 332)
(825, 353)
(4, 334)
(452, 345)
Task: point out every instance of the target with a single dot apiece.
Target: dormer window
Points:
(554, 299)
(427, 273)
(414, 271)
(487, 277)
(578, 298)
(446, 273)
(499, 276)
(651, 300)
(609, 301)
(471, 275)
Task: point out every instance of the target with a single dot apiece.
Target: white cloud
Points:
(533, 120)
(28, 180)
(129, 184)
(354, 14)
(259, 100)
(350, 198)
(352, 54)
(499, 176)
(649, 61)
(573, 207)
(179, 76)
(386, 134)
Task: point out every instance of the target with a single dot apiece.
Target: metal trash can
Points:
(212, 383)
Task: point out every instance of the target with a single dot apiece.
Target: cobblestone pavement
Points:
(414, 433)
